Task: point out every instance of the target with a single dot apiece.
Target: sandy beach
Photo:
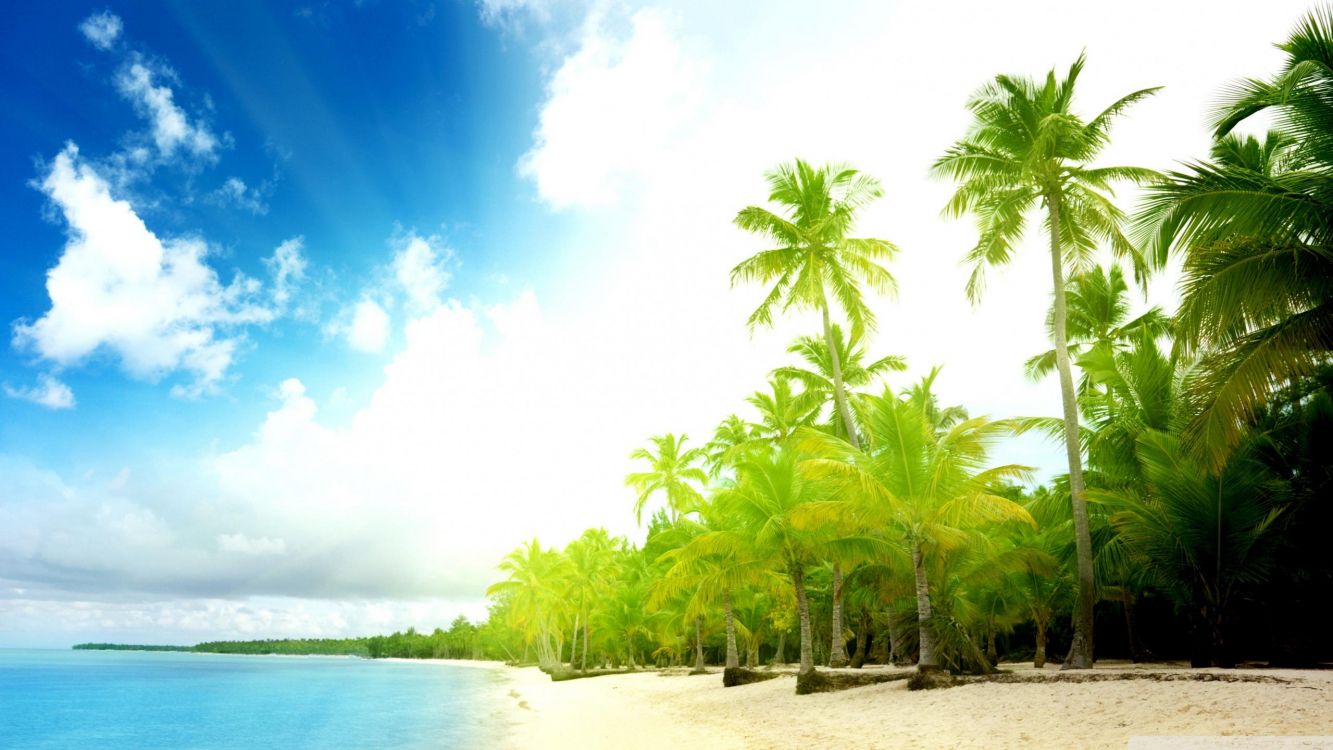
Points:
(652, 710)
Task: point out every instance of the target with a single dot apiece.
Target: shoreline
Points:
(666, 710)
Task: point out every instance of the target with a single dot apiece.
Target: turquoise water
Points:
(122, 699)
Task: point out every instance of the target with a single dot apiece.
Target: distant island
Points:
(460, 641)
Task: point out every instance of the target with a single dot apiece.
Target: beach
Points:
(655, 710)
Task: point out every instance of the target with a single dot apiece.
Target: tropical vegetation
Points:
(848, 515)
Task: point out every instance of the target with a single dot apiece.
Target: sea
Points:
(134, 700)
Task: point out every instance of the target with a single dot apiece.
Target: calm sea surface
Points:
(124, 699)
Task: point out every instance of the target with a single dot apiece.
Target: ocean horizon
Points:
(135, 699)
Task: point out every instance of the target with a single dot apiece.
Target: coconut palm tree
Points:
(535, 585)
(922, 486)
(592, 562)
(1204, 535)
(1253, 225)
(1027, 147)
(714, 564)
(1097, 319)
(781, 410)
(728, 437)
(814, 258)
(769, 491)
(816, 376)
(673, 471)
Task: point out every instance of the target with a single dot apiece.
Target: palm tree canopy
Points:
(1098, 318)
(673, 470)
(928, 483)
(1255, 224)
(1027, 146)
(813, 259)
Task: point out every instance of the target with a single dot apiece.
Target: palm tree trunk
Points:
(752, 657)
(1039, 658)
(837, 643)
(1080, 649)
(585, 642)
(574, 645)
(896, 655)
(839, 392)
(733, 659)
(699, 644)
(926, 661)
(803, 611)
(1136, 652)
(780, 656)
(862, 639)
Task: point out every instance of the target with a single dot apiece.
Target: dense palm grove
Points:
(858, 519)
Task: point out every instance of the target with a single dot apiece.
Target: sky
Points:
(316, 309)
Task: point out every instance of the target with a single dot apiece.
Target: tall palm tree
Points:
(923, 486)
(814, 258)
(592, 567)
(1026, 147)
(673, 471)
(770, 490)
(1253, 224)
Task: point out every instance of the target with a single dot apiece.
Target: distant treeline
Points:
(128, 647)
(462, 640)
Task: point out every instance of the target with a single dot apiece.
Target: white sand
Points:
(649, 710)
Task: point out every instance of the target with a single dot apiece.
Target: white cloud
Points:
(288, 266)
(418, 266)
(171, 127)
(234, 192)
(369, 327)
(153, 303)
(505, 12)
(244, 545)
(101, 29)
(48, 392)
(612, 112)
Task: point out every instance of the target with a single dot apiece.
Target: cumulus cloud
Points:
(48, 392)
(101, 29)
(419, 269)
(172, 129)
(613, 111)
(118, 288)
(368, 330)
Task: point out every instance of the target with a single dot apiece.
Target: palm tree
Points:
(1097, 319)
(714, 564)
(535, 587)
(923, 486)
(673, 471)
(1027, 147)
(1253, 225)
(816, 376)
(814, 258)
(592, 565)
(781, 410)
(730, 435)
(770, 490)
(1203, 535)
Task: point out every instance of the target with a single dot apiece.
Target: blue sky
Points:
(346, 125)
(314, 310)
